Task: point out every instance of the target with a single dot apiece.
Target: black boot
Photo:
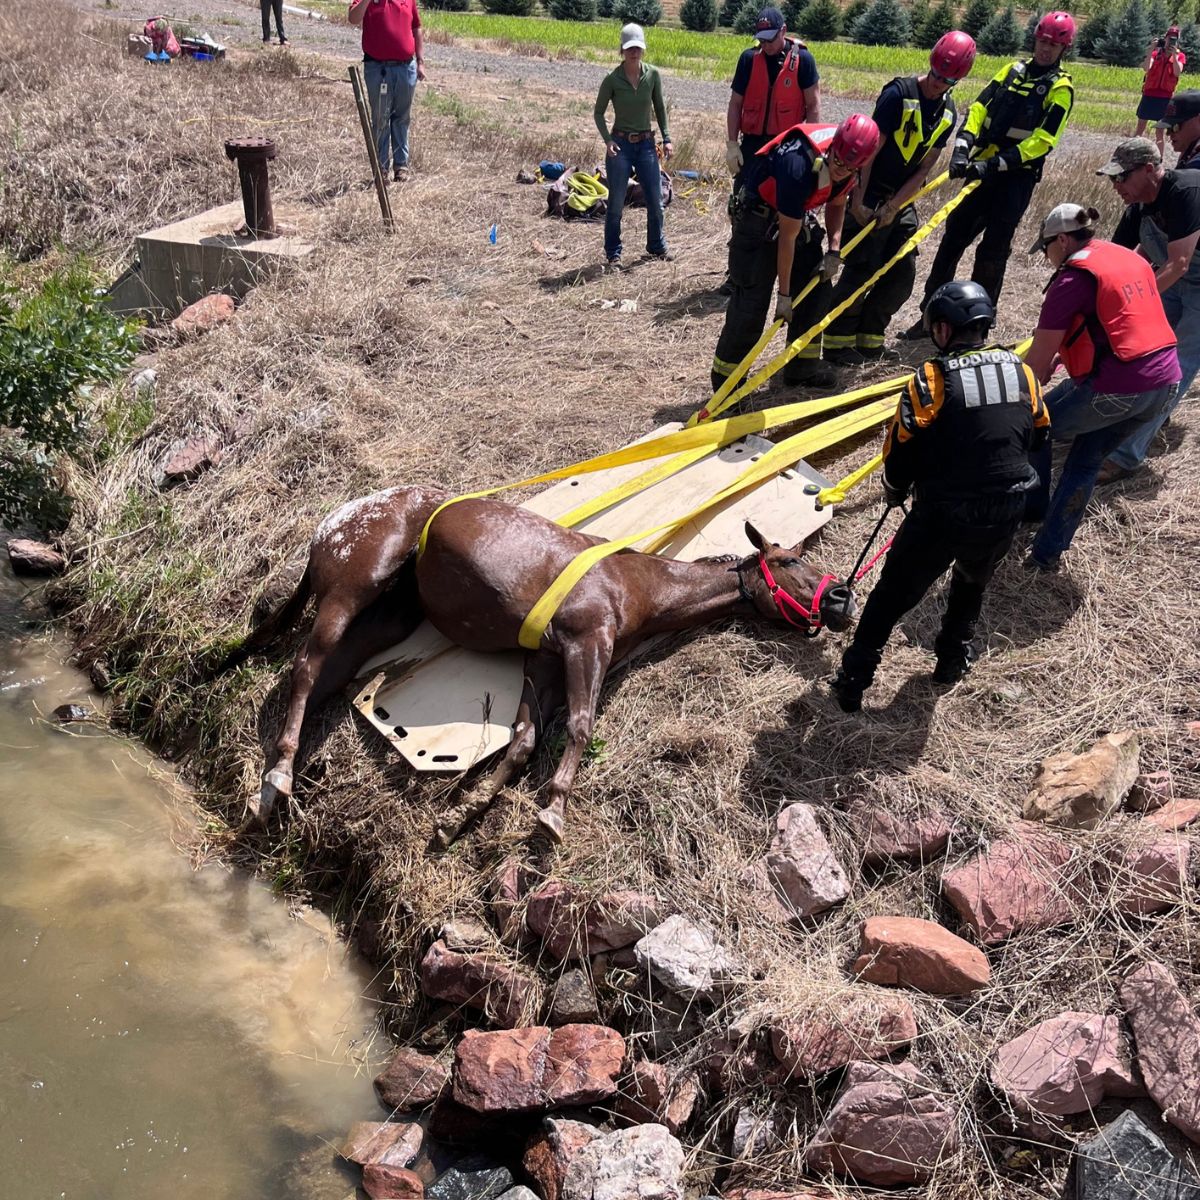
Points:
(848, 690)
(953, 664)
(808, 372)
(915, 332)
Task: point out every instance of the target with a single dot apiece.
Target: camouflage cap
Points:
(1131, 153)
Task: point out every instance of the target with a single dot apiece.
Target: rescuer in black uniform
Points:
(961, 438)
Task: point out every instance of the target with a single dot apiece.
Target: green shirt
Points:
(631, 106)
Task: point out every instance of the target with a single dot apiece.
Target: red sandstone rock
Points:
(549, 1153)
(867, 1026)
(411, 1080)
(29, 557)
(186, 460)
(1166, 1031)
(910, 952)
(383, 1182)
(1150, 791)
(505, 994)
(652, 1093)
(1065, 1065)
(524, 1070)
(1175, 814)
(204, 315)
(885, 836)
(734, 1061)
(573, 925)
(801, 865)
(1017, 884)
(583, 1063)
(1147, 877)
(1080, 790)
(885, 1127)
(394, 1143)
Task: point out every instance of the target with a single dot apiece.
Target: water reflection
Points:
(163, 1031)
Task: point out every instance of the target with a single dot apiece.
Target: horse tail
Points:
(272, 626)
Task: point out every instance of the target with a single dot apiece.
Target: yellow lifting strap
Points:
(718, 403)
(803, 340)
(789, 451)
(708, 437)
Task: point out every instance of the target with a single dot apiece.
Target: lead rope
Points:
(859, 570)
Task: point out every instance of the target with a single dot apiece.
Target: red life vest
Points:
(1160, 79)
(818, 139)
(1128, 309)
(770, 110)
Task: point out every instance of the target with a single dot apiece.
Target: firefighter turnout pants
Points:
(995, 209)
(972, 536)
(864, 323)
(752, 273)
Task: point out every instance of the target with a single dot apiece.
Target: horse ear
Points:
(757, 540)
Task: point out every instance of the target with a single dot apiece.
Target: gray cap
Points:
(1065, 218)
(632, 37)
(1129, 154)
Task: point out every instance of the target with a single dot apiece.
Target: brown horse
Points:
(484, 566)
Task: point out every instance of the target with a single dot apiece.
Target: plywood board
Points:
(445, 709)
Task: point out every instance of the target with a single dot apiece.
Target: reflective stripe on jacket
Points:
(770, 109)
(1129, 313)
(1021, 116)
(903, 152)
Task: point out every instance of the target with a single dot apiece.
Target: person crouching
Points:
(961, 438)
(776, 236)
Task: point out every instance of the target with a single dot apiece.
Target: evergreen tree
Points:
(1157, 18)
(643, 12)
(605, 8)
(975, 16)
(1030, 27)
(820, 21)
(885, 23)
(746, 20)
(918, 14)
(572, 10)
(854, 10)
(700, 15)
(941, 19)
(510, 8)
(1124, 42)
(791, 10)
(449, 5)
(1094, 31)
(729, 12)
(1189, 43)
(1001, 35)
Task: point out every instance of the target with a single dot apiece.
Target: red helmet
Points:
(856, 140)
(1056, 27)
(953, 55)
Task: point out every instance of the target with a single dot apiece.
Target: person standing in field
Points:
(634, 89)
(1014, 123)
(916, 117)
(268, 7)
(393, 63)
(1162, 66)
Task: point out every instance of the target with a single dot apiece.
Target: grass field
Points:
(1105, 96)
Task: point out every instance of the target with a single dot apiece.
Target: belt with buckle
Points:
(635, 137)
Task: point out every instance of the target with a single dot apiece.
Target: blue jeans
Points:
(1094, 424)
(390, 89)
(1181, 303)
(641, 158)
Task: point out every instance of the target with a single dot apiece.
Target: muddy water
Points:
(164, 1031)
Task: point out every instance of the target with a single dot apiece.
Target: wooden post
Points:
(364, 115)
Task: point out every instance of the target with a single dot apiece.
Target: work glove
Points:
(959, 161)
(978, 170)
(885, 214)
(733, 157)
(894, 496)
(831, 265)
(783, 307)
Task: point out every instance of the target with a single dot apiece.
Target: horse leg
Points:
(541, 698)
(585, 664)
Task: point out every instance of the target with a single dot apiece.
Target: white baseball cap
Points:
(632, 36)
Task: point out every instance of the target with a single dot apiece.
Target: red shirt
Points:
(387, 30)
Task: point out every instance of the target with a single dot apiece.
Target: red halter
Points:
(784, 600)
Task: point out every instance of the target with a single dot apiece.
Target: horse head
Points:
(783, 587)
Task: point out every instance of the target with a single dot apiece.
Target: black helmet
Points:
(960, 302)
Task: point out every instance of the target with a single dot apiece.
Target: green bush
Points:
(700, 15)
(54, 343)
(1124, 42)
(791, 10)
(1094, 31)
(940, 19)
(1001, 35)
(1027, 38)
(729, 12)
(885, 23)
(918, 14)
(644, 12)
(746, 20)
(820, 21)
(510, 8)
(572, 10)
(449, 5)
(605, 8)
(975, 16)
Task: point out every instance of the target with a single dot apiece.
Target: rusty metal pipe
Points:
(252, 156)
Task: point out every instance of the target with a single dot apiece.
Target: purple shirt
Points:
(1073, 293)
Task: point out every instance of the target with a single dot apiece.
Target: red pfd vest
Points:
(817, 138)
(1160, 80)
(1128, 309)
(770, 110)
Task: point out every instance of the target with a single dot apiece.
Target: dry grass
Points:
(433, 356)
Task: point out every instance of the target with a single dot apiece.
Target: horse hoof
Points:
(550, 823)
(279, 781)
